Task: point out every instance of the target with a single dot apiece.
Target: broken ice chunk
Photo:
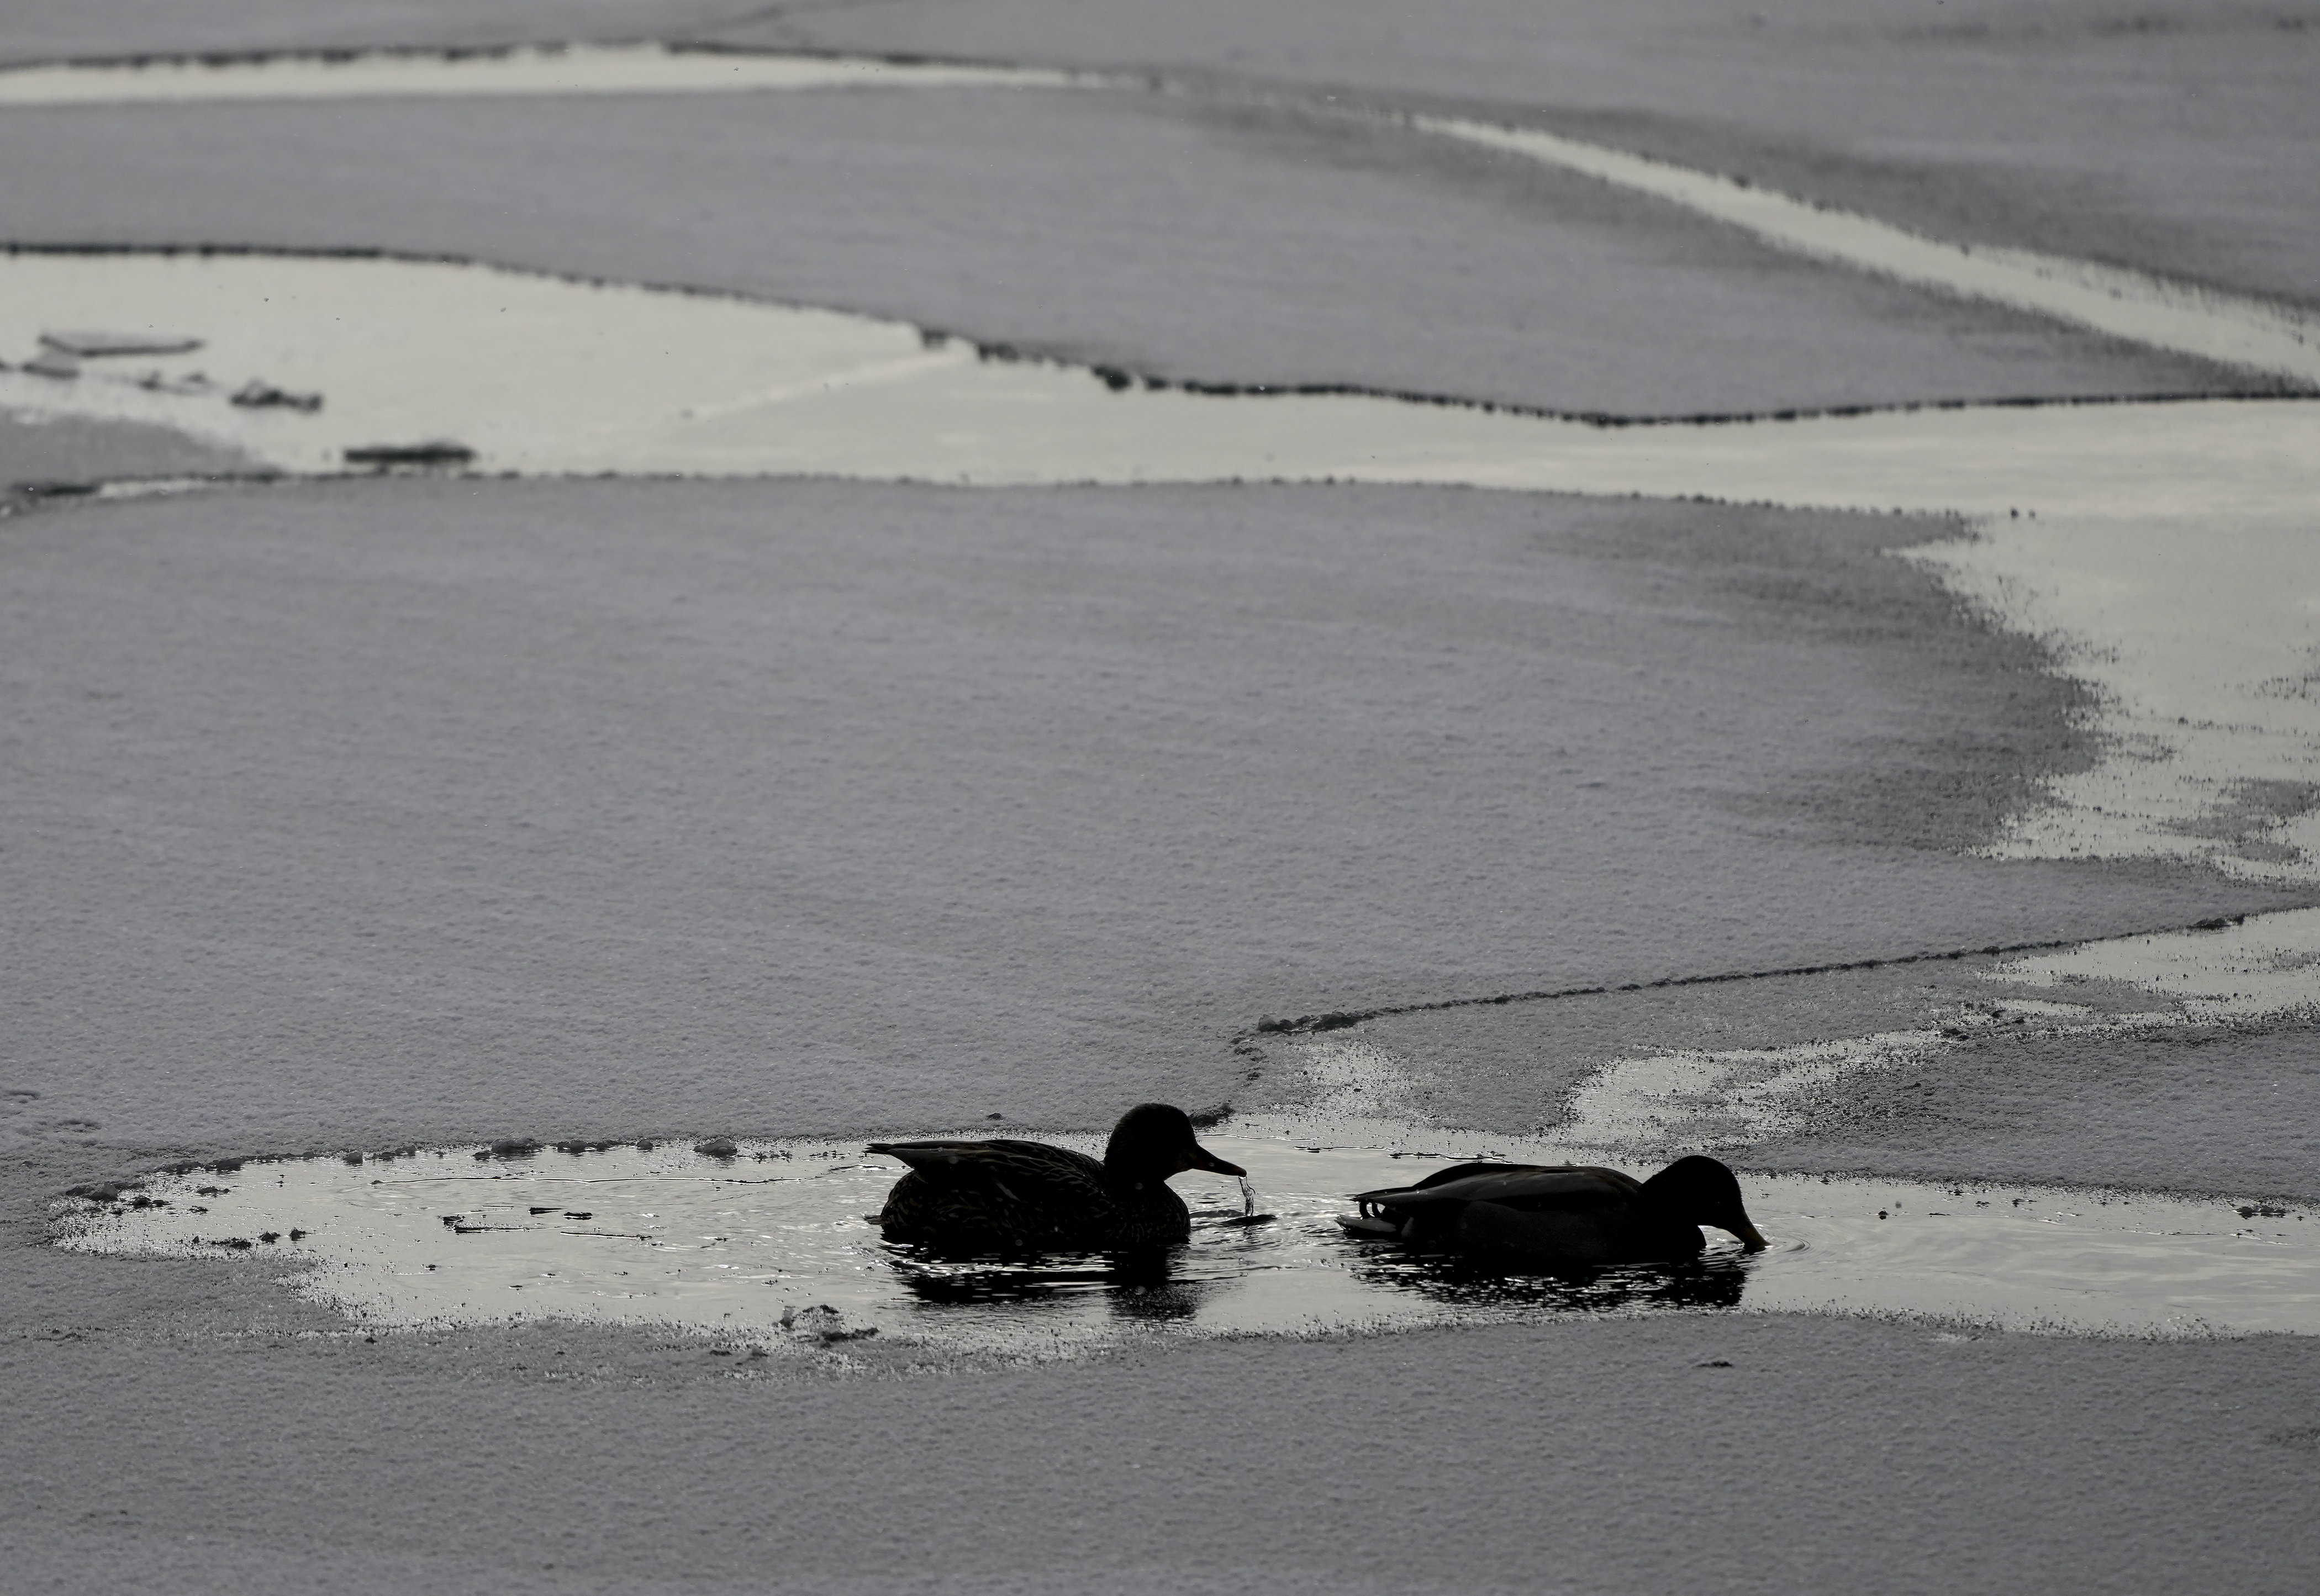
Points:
(94, 345)
(436, 452)
(258, 396)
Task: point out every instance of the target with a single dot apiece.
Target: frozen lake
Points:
(1436, 582)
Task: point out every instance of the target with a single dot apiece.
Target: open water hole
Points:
(772, 1244)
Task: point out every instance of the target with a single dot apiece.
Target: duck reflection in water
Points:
(1467, 1283)
(1140, 1285)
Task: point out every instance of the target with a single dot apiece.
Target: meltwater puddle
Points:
(771, 1245)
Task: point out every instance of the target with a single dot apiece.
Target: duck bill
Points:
(1201, 1158)
(1751, 1240)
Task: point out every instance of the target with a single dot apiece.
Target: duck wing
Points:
(1434, 1210)
(1452, 1172)
(996, 1151)
(1529, 1187)
(997, 1194)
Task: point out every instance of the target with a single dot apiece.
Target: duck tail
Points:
(918, 1154)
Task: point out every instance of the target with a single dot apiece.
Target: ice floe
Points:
(2164, 549)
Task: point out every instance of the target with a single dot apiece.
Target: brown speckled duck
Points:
(1029, 1196)
(1562, 1214)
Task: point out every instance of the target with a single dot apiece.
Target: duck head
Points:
(1154, 1141)
(1700, 1191)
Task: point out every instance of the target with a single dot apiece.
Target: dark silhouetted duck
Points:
(1028, 1196)
(1562, 1214)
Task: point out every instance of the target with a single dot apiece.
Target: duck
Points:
(1005, 1196)
(1566, 1215)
